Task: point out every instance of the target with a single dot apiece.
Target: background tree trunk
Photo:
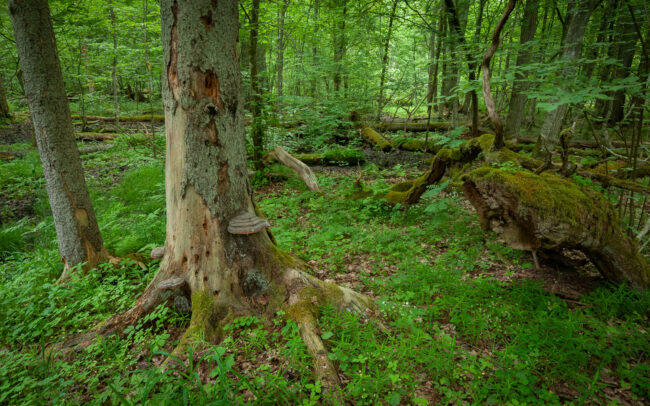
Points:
(339, 45)
(576, 20)
(256, 91)
(76, 227)
(280, 62)
(518, 99)
(4, 106)
(116, 100)
(384, 60)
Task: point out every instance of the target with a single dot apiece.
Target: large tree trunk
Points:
(4, 106)
(384, 60)
(256, 91)
(76, 227)
(577, 19)
(226, 269)
(518, 99)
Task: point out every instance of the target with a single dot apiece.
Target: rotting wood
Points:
(547, 212)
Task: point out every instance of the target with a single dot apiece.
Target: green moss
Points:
(309, 159)
(375, 138)
(402, 186)
(411, 144)
(202, 327)
(550, 193)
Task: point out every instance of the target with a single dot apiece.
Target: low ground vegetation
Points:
(461, 317)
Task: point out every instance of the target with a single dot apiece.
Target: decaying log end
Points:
(548, 212)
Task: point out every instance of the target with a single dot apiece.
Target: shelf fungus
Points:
(157, 252)
(247, 223)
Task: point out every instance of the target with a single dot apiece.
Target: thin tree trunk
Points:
(74, 218)
(280, 62)
(577, 17)
(256, 92)
(518, 99)
(314, 49)
(4, 106)
(339, 46)
(116, 101)
(626, 40)
(455, 25)
(149, 77)
(493, 113)
(384, 60)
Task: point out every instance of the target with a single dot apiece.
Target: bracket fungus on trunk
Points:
(247, 223)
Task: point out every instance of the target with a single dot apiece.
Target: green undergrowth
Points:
(453, 326)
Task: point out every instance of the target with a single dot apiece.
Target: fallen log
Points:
(375, 138)
(95, 148)
(159, 118)
(409, 192)
(95, 136)
(340, 157)
(302, 170)
(9, 155)
(412, 126)
(546, 212)
(410, 144)
(578, 144)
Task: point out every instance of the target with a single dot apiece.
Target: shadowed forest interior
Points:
(324, 202)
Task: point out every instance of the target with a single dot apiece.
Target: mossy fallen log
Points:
(412, 126)
(578, 144)
(95, 136)
(159, 118)
(375, 138)
(410, 144)
(547, 212)
(340, 157)
(410, 192)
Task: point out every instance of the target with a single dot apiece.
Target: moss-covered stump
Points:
(375, 138)
(548, 212)
(409, 192)
(413, 126)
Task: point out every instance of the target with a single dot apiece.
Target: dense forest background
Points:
(421, 119)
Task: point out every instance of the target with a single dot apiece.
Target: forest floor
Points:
(469, 319)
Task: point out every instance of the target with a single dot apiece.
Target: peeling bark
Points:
(224, 274)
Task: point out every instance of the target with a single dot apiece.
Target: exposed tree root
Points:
(297, 293)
